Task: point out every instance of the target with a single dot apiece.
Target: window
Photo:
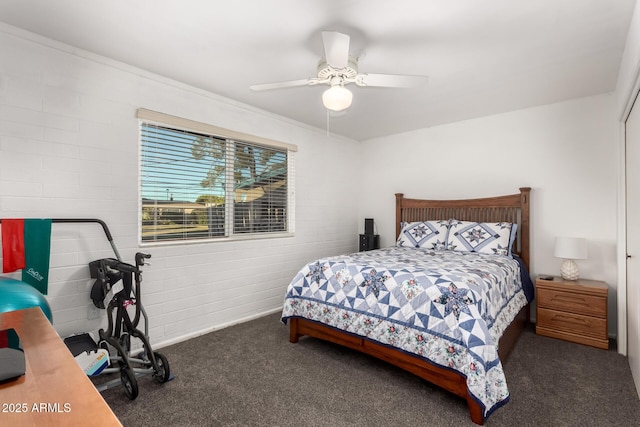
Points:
(201, 182)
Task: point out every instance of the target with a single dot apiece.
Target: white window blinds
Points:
(200, 185)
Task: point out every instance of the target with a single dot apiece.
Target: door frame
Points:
(631, 95)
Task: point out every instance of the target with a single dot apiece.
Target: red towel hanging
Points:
(13, 245)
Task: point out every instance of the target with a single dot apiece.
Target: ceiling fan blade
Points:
(281, 85)
(336, 48)
(390, 80)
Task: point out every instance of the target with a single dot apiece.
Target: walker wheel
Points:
(163, 372)
(129, 382)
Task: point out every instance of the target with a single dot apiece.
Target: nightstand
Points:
(369, 242)
(572, 310)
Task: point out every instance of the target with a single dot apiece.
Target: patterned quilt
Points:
(447, 307)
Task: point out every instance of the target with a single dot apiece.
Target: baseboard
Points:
(196, 334)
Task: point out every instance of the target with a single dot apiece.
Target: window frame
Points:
(155, 118)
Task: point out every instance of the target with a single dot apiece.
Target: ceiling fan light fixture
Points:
(337, 98)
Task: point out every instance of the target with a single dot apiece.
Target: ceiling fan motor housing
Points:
(347, 74)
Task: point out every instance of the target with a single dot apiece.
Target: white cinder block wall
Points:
(69, 149)
(567, 152)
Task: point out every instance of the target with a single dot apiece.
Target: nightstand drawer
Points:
(589, 305)
(570, 322)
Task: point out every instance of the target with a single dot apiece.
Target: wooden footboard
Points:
(445, 378)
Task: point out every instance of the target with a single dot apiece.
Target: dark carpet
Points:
(250, 375)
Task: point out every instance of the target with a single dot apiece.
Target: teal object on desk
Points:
(17, 295)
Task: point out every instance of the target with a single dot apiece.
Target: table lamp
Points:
(570, 248)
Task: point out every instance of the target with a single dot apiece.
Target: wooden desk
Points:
(55, 391)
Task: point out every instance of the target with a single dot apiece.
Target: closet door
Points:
(632, 156)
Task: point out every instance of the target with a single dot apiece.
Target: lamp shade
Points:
(570, 248)
(337, 98)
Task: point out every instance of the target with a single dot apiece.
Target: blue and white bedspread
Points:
(445, 306)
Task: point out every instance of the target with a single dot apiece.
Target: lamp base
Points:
(569, 270)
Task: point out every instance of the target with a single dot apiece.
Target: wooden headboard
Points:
(513, 208)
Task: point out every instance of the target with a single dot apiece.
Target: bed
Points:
(429, 305)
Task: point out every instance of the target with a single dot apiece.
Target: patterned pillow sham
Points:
(424, 234)
(480, 237)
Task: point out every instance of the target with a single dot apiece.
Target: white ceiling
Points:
(482, 56)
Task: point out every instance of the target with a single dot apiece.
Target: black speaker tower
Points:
(368, 226)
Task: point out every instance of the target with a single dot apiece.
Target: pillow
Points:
(425, 234)
(480, 237)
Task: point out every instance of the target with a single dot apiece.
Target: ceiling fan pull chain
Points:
(327, 111)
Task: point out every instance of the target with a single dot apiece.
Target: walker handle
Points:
(140, 257)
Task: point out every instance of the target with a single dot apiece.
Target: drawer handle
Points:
(568, 319)
(572, 300)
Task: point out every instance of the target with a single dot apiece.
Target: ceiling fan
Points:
(337, 68)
